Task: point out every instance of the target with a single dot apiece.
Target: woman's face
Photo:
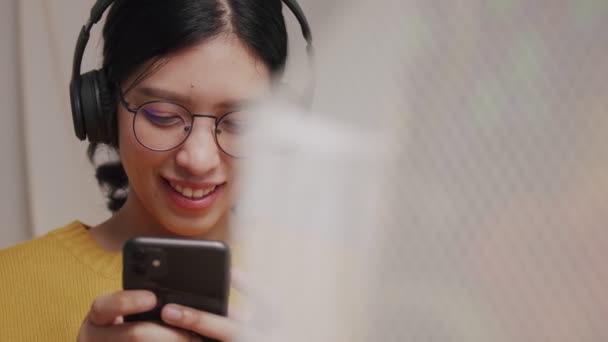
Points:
(189, 190)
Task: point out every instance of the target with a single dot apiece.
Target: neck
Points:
(134, 220)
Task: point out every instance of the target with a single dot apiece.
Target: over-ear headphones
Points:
(91, 99)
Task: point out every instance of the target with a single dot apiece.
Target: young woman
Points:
(164, 62)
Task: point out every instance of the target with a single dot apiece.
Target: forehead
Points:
(215, 71)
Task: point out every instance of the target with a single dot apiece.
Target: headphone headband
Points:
(299, 14)
(101, 6)
(97, 12)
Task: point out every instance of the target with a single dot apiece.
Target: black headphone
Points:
(90, 94)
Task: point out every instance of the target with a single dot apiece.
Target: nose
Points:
(199, 154)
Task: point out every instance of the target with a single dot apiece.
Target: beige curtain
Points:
(13, 203)
(47, 181)
(59, 178)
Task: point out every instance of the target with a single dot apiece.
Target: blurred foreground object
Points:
(450, 183)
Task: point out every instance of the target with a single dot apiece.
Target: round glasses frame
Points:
(189, 127)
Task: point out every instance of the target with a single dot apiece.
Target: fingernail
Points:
(172, 314)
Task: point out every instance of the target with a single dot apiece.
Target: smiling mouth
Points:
(193, 194)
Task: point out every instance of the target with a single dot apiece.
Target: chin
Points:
(193, 228)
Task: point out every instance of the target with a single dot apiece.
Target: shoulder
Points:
(64, 260)
(45, 257)
(63, 253)
(55, 276)
(36, 250)
(31, 265)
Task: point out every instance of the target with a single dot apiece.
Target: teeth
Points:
(191, 193)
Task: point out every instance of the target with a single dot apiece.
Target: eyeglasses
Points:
(163, 126)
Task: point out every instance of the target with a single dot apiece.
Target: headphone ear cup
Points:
(77, 117)
(96, 107)
(107, 102)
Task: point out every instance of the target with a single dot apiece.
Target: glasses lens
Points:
(234, 133)
(162, 126)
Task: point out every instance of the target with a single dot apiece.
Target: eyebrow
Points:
(162, 94)
(168, 95)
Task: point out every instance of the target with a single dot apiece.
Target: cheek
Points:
(125, 131)
(137, 160)
(233, 168)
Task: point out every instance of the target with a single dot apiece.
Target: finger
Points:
(133, 332)
(203, 323)
(107, 308)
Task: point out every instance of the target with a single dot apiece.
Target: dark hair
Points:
(137, 33)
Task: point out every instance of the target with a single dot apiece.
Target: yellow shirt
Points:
(47, 284)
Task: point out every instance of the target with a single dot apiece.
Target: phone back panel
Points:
(193, 273)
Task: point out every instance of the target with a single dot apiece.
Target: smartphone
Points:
(192, 273)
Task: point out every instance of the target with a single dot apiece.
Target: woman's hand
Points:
(217, 327)
(104, 322)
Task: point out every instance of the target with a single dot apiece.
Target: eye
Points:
(164, 115)
(237, 123)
